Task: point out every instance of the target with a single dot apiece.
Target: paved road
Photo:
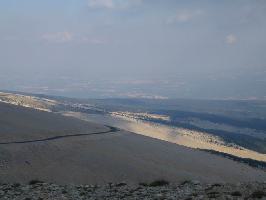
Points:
(111, 130)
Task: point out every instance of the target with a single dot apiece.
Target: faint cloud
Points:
(113, 4)
(59, 37)
(231, 39)
(184, 16)
(64, 37)
(101, 3)
(93, 40)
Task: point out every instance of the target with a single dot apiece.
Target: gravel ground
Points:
(158, 190)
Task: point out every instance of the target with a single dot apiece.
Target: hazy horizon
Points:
(134, 48)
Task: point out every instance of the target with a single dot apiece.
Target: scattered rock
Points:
(258, 194)
(160, 190)
(236, 194)
(121, 184)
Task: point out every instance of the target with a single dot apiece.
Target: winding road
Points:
(111, 130)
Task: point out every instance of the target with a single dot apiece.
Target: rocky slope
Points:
(157, 190)
(53, 148)
(28, 101)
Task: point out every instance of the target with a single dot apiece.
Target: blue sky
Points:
(200, 48)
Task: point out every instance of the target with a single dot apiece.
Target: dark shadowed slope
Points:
(21, 124)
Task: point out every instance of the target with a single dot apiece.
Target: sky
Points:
(134, 48)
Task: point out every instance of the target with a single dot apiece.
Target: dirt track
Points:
(112, 130)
